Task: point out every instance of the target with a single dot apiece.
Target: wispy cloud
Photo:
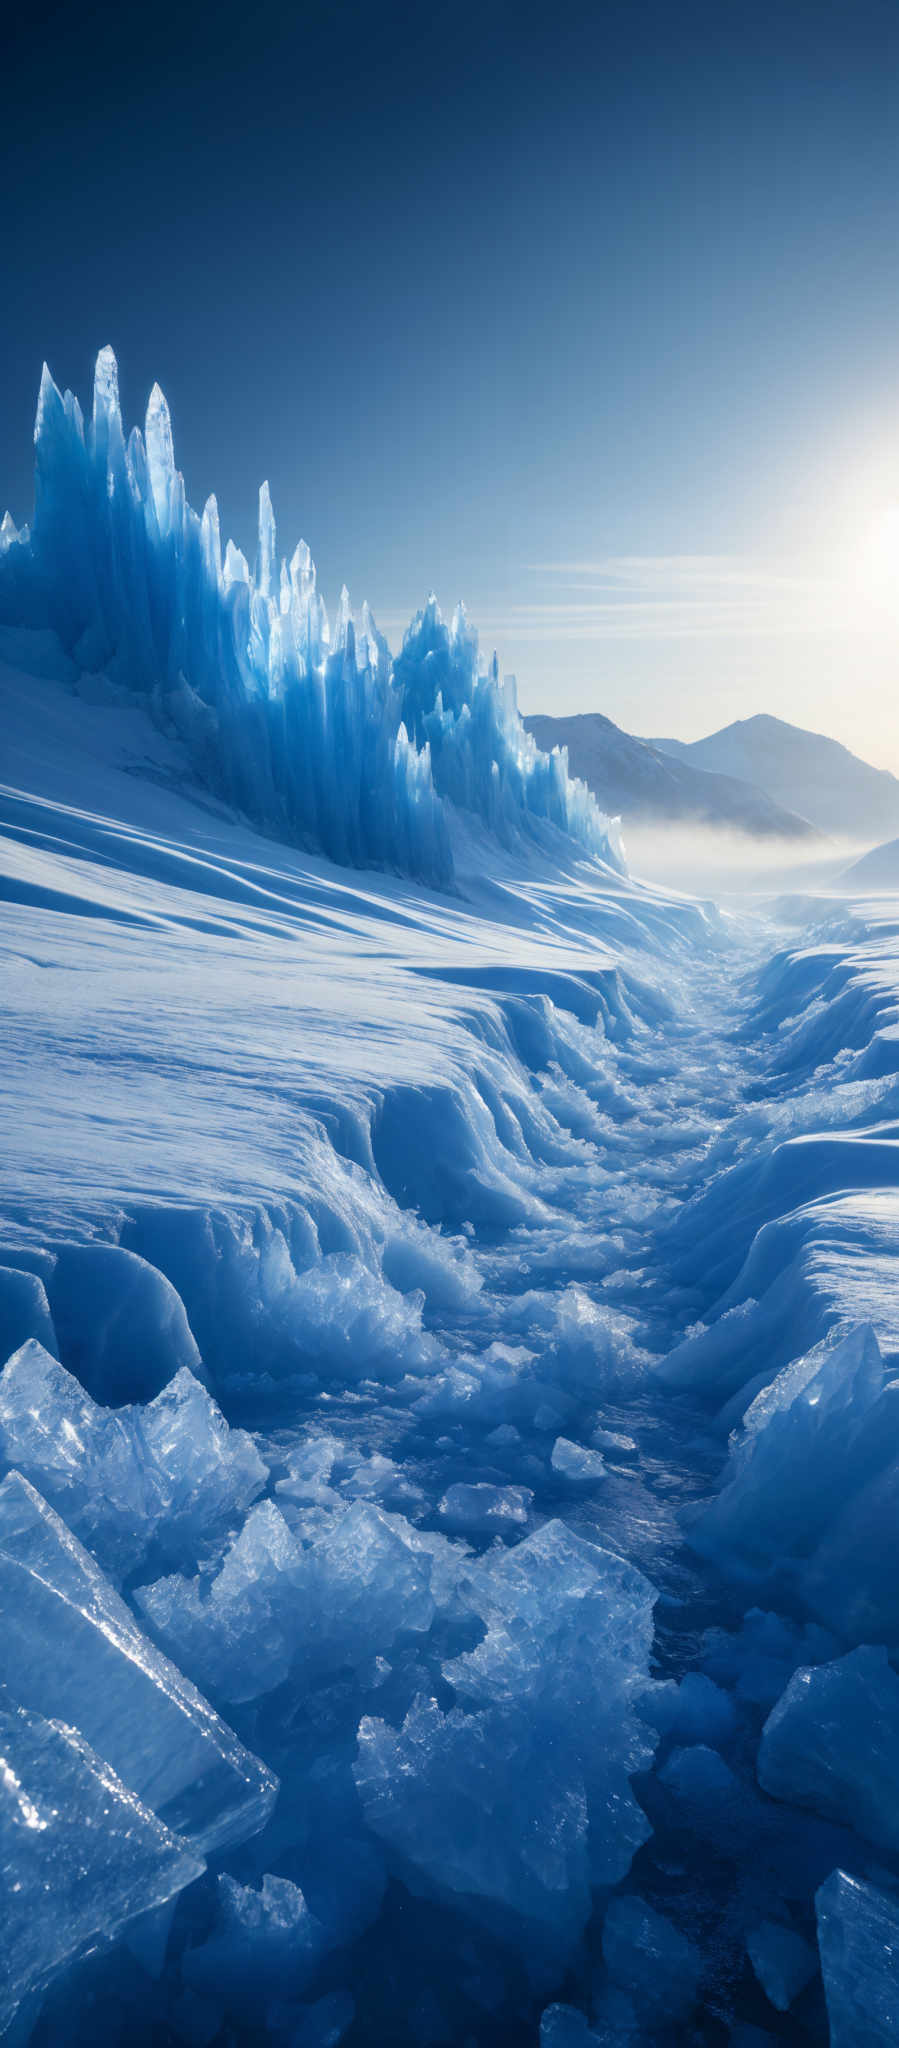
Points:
(664, 597)
(671, 597)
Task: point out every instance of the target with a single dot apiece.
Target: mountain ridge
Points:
(645, 783)
(799, 769)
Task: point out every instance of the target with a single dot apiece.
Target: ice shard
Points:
(70, 1650)
(79, 1854)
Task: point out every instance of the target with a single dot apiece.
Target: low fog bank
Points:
(704, 860)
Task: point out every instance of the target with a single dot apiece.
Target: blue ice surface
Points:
(783, 1961)
(651, 1960)
(321, 737)
(858, 1938)
(80, 1855)
(807, 1443)
(832, 1743)
(448, 1463)
(66, 1628)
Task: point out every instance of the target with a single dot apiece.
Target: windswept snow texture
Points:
(449, 1416)
(319, 738)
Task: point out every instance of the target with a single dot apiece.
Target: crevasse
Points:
(325, 740)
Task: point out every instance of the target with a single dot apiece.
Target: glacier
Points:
(449, 1473)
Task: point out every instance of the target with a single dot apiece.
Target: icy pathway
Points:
(431, 1193)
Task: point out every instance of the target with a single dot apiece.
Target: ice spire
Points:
(106, 387)
(160, 458)
(49, 405)
(344, 621)
(106, 437)
(265, 567)
(211, 533)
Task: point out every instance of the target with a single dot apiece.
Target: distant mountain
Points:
(644, 783)
(801, 770)
(878, 869)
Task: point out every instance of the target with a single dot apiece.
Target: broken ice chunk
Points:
(79, 1854)
(850, 1580)
(651, 1960)
(694, 1711)
(615, 1443)
(70, 1648)
(207, 1472)
(576, 1463)
(807, 1442)
(706, 1789)
(309, 1468)
(80, 1456)
(485, 1510)
(782, 1961)
(268, 1934)
(466, 1800)
(280, 1603)
(858, 1941)
(566, 1622)
(832, 1744)
(504, 1436)
(170, 1473)
(758, 1660)
(524, 1799)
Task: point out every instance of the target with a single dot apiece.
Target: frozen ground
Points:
(449, 1440)
(408, 1258)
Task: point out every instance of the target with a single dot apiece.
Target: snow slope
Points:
(802, 771)
(650, 783)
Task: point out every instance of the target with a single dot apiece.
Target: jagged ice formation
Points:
(318, 738)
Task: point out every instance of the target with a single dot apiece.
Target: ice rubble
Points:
(168, 1476)
(333, 1595)
(321, 738)
(519, 1797)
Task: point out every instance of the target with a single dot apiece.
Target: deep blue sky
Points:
(482, 288)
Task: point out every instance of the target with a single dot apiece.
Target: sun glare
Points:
(878, 559)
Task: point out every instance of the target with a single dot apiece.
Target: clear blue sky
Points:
(587, 314)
